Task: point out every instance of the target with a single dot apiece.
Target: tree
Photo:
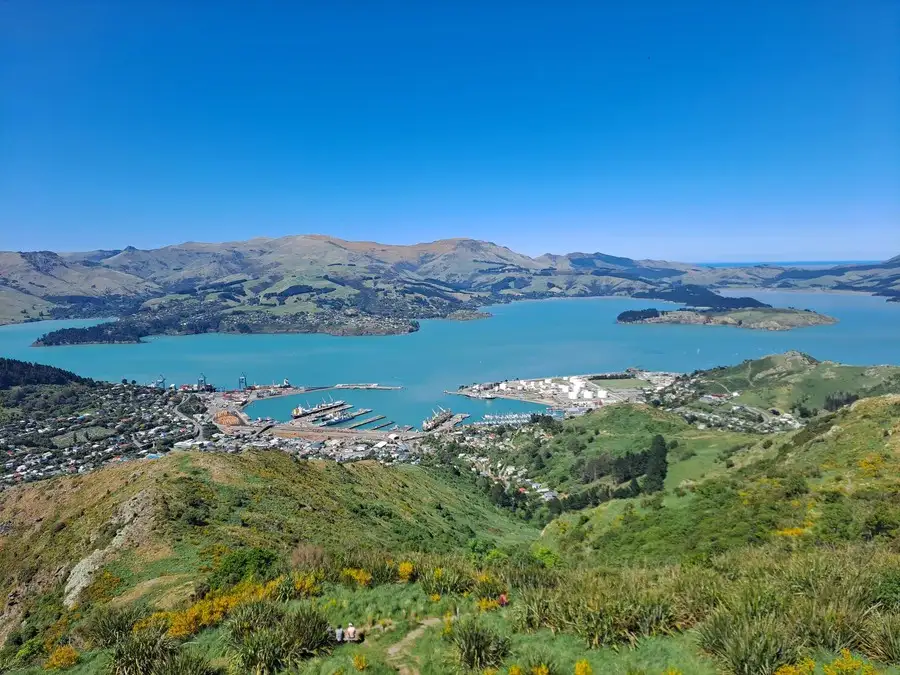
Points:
(657, 465)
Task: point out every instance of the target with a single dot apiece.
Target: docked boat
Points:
(324, 406)
(436, 419)
(337, 418)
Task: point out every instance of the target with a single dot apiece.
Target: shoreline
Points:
(477, 314)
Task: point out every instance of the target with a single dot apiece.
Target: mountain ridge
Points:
(422, 280)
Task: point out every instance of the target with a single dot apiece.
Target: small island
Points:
(468, 315)
(757, 318)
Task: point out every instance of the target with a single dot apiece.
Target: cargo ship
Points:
(324, 406)
(436, 419)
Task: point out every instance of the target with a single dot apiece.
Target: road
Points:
(198, 428)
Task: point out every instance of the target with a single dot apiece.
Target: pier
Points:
(357, 425)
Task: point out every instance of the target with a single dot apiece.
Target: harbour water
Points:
(523, 339)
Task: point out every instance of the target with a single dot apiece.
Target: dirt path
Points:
(397, 652)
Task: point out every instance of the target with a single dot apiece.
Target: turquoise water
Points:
(524, 339)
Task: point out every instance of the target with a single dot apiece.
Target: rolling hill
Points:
(303, 273)
(152, 523)
(833, 481)
(781, 557)
(785, 381)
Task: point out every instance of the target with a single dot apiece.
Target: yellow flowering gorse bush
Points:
(360, 577)
(62, 658)
(406, 571)
(583, 668)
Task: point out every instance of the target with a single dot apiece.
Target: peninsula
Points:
(321, 284)
(756, 318)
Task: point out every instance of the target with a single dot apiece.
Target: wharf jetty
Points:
(362, 423)
(338, 407)
(361, 411)
(382, 426)
(459, 418)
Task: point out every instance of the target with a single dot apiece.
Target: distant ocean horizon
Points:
(790, 263)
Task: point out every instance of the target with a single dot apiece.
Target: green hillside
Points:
(836, 480)
(762, 554)
(616, 430)
(157, 522)
(787, 380)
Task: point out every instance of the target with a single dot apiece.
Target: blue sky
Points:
(682, 130)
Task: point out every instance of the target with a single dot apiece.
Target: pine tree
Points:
(657, 466)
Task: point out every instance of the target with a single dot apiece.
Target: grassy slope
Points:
(783, 380)
(837, 479)
(262, 499)
(618, 429)
(850, 463)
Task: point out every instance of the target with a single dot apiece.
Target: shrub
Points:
(185, 663)
(847, 664)
(265, 640)
(487, 604)
(61, 658)
(102, 588)
(749, 643)
(360, 662)
(297, 585)
(887, 589)
(263, 652)
(309, 557)
(106, 625)
(214, 608)
(141, 652)
(246, 563)
(444, 580)
(251, 617)
(356, 577)
(406, 572)
(309, 630)
(541, 664)
(29, 650)
(479, 646)
(834, 625)
(601, 610)
(882, 638)
(532, 610)
(380, 569)
(487, 586)
(583, 668)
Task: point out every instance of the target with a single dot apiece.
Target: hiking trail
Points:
(397, 652)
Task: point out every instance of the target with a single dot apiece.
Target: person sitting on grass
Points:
(339, 634)
(351, 633)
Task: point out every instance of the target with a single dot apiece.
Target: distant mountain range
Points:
(306, 273)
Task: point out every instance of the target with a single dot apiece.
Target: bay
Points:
(523, 339)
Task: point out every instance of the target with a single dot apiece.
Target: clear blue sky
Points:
(766, 130)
